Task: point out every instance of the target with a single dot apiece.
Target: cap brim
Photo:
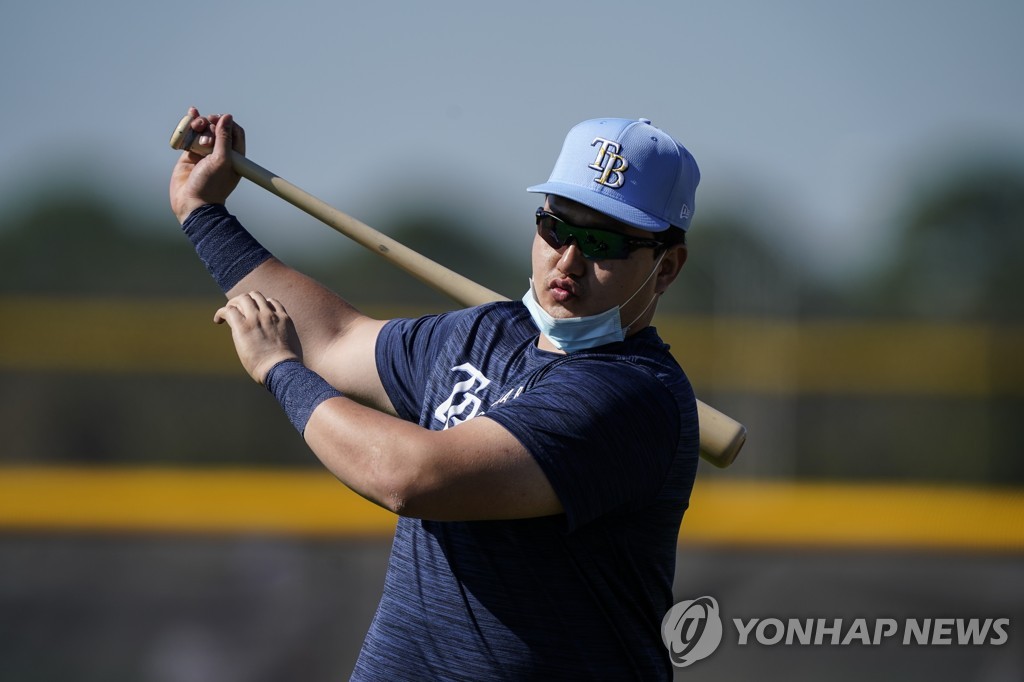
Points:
(603, 203)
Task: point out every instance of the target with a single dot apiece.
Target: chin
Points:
(567, 309)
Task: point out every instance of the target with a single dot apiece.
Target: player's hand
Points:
(197, 179)
(262, 331)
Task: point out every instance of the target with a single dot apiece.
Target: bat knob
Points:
(185, 138)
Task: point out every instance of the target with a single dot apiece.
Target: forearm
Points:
(319, 315)
(322, 320)
(474, 471)
(374, 454)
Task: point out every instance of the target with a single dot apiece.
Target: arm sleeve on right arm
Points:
(226, 248)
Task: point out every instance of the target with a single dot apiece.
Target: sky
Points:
(815, 118)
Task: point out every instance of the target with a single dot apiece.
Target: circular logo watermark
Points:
(692, 630)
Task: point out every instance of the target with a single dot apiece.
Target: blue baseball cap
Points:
(629, 170)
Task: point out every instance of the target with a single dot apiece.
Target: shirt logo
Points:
(463, 404)
(611, 164)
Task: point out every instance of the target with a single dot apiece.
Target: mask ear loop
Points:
(653, 298)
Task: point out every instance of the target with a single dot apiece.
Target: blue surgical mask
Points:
(571, 334)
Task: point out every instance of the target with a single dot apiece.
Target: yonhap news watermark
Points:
(692, 630)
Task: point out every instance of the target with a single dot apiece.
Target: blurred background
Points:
(853, 295)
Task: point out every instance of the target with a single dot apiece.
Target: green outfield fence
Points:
(773, 357)
(731, 354)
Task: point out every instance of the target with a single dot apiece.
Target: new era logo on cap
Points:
(627, 169)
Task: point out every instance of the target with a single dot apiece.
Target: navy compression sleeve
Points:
(226, 248)
(299, 390)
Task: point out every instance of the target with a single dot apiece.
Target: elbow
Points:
(409, 500)
(399, 475)
(395, 500)
(406, 492)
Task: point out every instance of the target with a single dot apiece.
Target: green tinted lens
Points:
(595, 244)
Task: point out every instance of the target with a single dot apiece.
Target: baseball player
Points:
(539, 453)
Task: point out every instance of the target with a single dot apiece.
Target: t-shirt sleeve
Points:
(403, 352)
(605, 434)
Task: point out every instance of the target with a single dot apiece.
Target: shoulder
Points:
(641, 363)
(493, 327)
(501, 314)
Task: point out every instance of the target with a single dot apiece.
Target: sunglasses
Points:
(594, 243)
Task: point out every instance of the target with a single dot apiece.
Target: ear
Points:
(671, 263)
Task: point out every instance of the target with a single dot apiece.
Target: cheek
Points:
(622, 279)
(536, 260)
(611, 276)
(542, 256)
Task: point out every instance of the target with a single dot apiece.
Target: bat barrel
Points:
(721, 436)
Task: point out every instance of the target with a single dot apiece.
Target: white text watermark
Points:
(693, 629)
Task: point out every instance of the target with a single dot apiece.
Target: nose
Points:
(571, 260)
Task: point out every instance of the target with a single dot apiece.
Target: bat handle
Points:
(452, 284)
(184, 138)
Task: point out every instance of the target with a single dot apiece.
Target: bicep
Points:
(349, 364)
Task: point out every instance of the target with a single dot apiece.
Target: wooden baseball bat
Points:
(721, 437)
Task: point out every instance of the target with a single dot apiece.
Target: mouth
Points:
(563, 289)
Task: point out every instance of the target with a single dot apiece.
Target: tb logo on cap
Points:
(611, 164)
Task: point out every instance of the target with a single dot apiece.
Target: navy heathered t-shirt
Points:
(579, 595)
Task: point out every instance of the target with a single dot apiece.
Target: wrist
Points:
(184, 210)
(226, 248)
(299, 390)
(264, 368)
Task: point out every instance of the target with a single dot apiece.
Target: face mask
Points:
(573, 334)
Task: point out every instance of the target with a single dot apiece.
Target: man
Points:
(540, 454)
